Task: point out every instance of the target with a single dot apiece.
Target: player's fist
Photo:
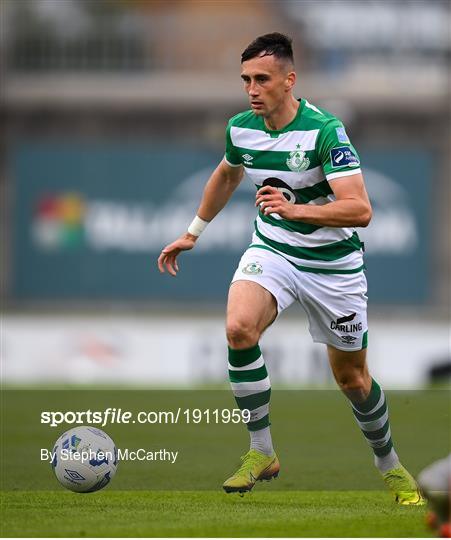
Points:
(272, 201)
(168, 256)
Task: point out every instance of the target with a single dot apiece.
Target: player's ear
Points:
(290, 80)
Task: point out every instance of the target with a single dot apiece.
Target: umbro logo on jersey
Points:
(248, 159)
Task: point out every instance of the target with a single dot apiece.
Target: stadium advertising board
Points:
(91, 219)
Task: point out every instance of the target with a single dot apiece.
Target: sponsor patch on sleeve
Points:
(342, 135)
(343, 156)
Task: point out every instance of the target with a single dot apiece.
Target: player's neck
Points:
(283, 116)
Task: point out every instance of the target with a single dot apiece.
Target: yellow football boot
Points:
(255, 466)
(404, 487)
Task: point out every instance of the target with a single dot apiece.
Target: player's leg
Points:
(435, 480)
(260, 290)
(370, 410)
(336, 306)
(368, 403)
(250, 310)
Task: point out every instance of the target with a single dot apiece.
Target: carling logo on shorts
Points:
(345, 324)
(343, 156)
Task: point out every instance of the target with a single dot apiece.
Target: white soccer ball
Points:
(84, 459)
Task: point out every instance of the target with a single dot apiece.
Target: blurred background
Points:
(113, 115)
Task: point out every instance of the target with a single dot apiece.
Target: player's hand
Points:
(168, 256)
(272, 201)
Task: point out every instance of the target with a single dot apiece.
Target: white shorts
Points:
(335, 303)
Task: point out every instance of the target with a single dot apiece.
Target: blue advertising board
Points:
(89, 221)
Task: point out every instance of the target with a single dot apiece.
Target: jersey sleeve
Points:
(337, 155)
(232, 156)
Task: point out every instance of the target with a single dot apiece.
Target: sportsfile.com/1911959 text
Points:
(111, 415)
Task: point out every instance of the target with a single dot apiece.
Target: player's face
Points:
(267, 82)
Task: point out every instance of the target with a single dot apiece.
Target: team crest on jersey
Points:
(253, 269)
(298, 161)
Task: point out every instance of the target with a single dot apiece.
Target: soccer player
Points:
(310, 196)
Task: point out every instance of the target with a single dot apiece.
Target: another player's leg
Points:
(435, 480)
(250, 310)
(370, 410)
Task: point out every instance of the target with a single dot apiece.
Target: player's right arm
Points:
(218, 190)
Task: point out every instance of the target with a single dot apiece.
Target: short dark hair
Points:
(274, 44)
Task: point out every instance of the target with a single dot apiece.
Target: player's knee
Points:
(241, 335)
(354, 385)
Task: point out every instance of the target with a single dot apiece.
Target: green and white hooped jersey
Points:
(300, 160)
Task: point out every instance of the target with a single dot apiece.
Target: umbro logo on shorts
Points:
(349, 340)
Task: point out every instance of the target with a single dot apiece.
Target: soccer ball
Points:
(84, 459)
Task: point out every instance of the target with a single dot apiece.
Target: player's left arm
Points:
(352, 207)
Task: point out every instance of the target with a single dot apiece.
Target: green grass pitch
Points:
(328, 486)
(207, 513)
